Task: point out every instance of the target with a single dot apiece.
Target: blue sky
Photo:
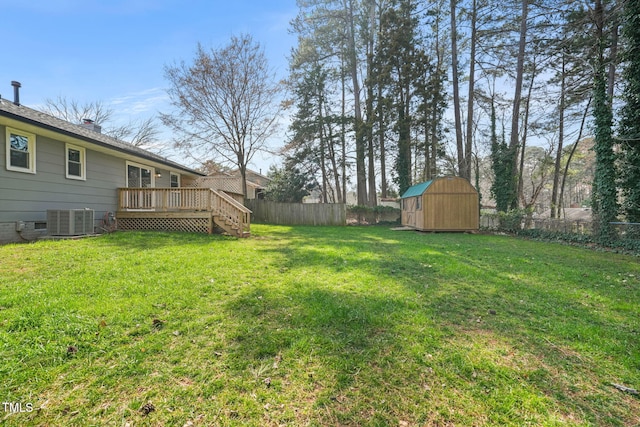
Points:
(114, 51)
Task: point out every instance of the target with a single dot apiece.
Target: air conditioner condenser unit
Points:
(70, 222)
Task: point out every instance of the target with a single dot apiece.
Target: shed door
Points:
(410, 211)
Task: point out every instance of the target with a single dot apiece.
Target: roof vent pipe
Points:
(16, 92)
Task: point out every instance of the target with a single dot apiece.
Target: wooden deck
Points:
(198, 210)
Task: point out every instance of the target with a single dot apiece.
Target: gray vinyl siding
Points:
(26, 197)
(164, 180)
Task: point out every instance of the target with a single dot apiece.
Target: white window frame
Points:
(83, 162)
(171, 175)
(145, 201)
(31, 150)
(140, 166)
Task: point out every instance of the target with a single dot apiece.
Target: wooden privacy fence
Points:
(268, 212)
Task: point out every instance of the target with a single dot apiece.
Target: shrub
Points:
(511, 221)
(373, 215)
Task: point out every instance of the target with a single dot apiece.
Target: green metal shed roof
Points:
(416, 190)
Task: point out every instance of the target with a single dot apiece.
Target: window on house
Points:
(175, 180)
(75, 162)
(21, 151)
(139, 176)
(419, 203)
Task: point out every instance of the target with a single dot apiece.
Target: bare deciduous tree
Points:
(143, 133)
(74, 112)
(226, 103)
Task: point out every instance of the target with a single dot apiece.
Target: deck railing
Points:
(186, 199)
(231, 210)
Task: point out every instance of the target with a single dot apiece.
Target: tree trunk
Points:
(369, 105)
(381, 138)
(456, 88)
(343, 133)
(435, 115)
(470, 100)
(427, 149)
(352, 61)
(323, 166)
(517, 99)
(242, 166)
(605, 204)
(334, 167)
(558, 163)
(525, 130)
(613, 57)
(573, 150)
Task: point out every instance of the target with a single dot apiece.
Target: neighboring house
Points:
(231, 183)
(256, 178)
(51, 164)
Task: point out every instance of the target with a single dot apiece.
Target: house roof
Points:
(43, 120)
(416, 190)
(254, 179)
(228, 183)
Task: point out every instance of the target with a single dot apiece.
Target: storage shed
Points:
(442, 204)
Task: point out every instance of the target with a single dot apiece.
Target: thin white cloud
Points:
(137, 95)
(144, 102)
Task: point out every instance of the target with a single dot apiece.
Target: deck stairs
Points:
(185, 208)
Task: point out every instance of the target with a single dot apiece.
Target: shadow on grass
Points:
(327, 339)
(571, 348)
(370, 327)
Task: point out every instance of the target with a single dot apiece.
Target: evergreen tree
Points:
(329, 31)
(401, 60)
(288, 184)
(313, 136)
(501, 164)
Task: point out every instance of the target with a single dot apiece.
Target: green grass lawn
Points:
(350, 326)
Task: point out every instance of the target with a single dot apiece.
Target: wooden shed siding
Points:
(408, 214)
(448, 212)
(447, 204)
(450, 186)
(420, 212)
